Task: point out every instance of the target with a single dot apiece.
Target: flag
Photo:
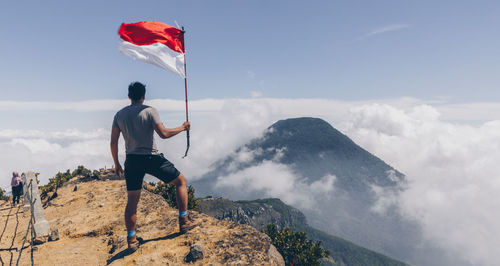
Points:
(155, 43)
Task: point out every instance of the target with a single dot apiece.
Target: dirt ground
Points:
(92, 232)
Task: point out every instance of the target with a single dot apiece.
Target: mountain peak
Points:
(305, 134)
(314, 148)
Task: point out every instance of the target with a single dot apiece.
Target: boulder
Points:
(40, 240)
(54, 235)
(195, 253)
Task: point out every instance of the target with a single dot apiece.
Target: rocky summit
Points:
(91, 230)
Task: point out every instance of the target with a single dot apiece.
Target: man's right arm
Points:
(115, 135)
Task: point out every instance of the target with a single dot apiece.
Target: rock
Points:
(275, 255)
(40, 240)
(101, 205)
(117, 243)
(75, 188)
(195, 253)
(54, 235)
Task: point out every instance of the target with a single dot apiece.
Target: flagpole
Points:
(186, 95)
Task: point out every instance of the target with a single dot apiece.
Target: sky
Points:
(350, 50)
(414, 82)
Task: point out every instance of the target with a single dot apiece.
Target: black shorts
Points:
(137, 165)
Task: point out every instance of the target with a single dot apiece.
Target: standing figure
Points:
(17, 188)
(138, 122)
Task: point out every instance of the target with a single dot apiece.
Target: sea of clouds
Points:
(448, 152)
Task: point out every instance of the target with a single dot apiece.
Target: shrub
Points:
(60, 178)
(295, 247)
(168, 192)
(81, 170)
(3, 195)
(96, 174)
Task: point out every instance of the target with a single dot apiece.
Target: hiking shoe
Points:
(186, 223)
(133, 244)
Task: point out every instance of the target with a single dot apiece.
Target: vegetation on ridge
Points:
(3, 195)
(60, 178)
(295, 247)
(168, 192)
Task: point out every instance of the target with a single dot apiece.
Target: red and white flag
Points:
(155, 43)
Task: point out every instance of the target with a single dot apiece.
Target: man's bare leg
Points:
(133, 197)
(180, 184)
(185, 223)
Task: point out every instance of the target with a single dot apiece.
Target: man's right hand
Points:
(119, 170)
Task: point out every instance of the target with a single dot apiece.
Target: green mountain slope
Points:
(259, 213)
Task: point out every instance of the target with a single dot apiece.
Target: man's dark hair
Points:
(136, 91)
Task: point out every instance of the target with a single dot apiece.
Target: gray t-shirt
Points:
(136, 124)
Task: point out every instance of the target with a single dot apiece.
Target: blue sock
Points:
(131, 233)
(182, 214)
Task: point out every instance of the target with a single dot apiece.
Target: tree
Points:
(168, 192)
(295, 247)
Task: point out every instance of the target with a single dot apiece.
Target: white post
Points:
(41, 226)
(26, 200)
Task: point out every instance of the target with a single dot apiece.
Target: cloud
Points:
(277, 180)
(328, 108)
(219, 134)
(256, 94)
(452, 167)
(385, 29)
(452, 172)
(51, 152)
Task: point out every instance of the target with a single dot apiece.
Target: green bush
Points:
(3, 195)
(81, 170)
(61, 178)
(168, 192)
(295, 247)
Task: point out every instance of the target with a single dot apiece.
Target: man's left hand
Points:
(186, 125)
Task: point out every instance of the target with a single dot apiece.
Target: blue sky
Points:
(348, 50)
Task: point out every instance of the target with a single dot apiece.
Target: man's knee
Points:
(179, 181)
(133, 197)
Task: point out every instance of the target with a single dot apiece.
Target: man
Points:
(138, 122)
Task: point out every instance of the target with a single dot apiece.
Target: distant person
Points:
(17, 188)
(138, 122)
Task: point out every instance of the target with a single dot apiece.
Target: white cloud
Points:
(219, 134)
(452, 168)
(384, 29)
(256, 94)
(324, 108)
(452, 171)
(51, 152)
(278, 180)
